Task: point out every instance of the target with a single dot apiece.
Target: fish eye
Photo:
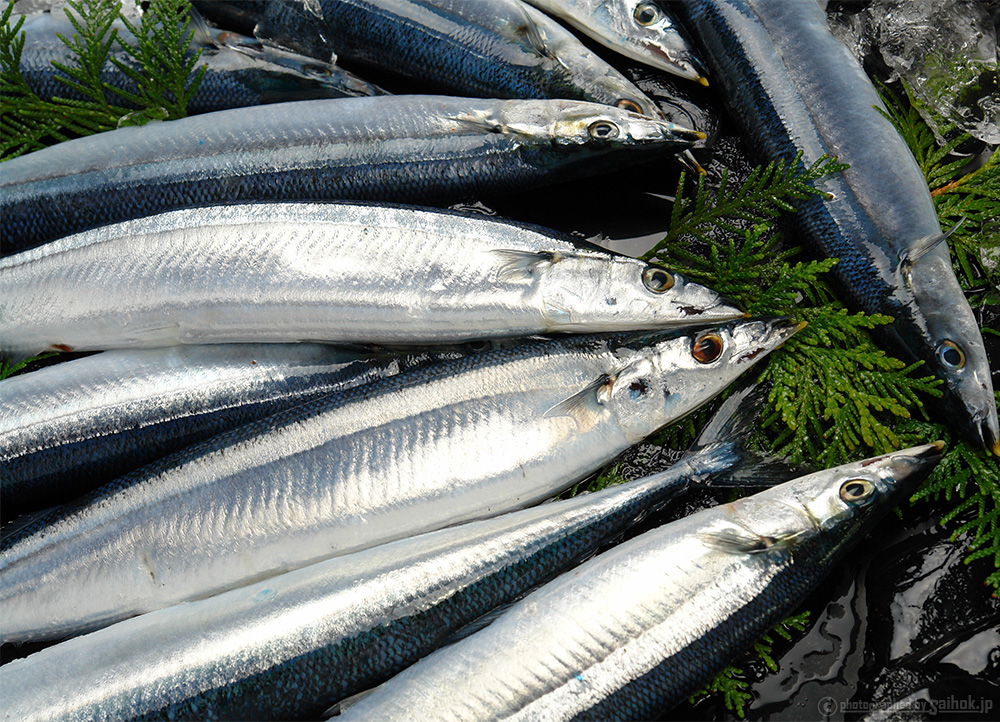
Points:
(317, 70)
(950, 354)
(603, 130)
(856, 491)
(657, 280)
(647, 13)
(707, 347)
(630, 105)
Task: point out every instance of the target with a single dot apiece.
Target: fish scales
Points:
(284, 272)
(794, 87)
(487, 48)
(69, 428)
(638, 628)
(419, 149)
(451, 442)
(295, 644)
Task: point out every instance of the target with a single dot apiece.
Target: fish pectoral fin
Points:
(477, 122)
(745, 542)
(521, 265)
(202, 33)
(922, 246)
(582, 405)
(535, 37)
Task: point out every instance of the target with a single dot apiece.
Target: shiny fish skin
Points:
(389, 605)
(639, 628)
(643, 30)
(418, 149)
(70, 428)
(482, 48)
(286, 272)
(795, 87)
(455, 441)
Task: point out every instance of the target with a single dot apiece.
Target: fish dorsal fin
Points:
(581, 404)
(535, 38)
(922, 246)
(521, 265)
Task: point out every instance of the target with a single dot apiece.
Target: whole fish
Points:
(643, 30)
(794, 87)
(451, 442)
(290, 646)
(639, 628)
(420, 149)
(70, 428)
(337, 272)
(481, 48)
(239, 71)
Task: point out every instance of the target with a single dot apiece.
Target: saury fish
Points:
(451, 442)
(481, 48)
(644, 30)
(70, 428)
(283, 272)
(290, 646)
(639, 628)
(420, 149)
(794, 87)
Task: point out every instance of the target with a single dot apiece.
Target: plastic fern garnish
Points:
(168, 79)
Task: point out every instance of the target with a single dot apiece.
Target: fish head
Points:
(646, 31)
(811, 517)
(599, 291)
(939, 326)
(593, 126)
(664, 376)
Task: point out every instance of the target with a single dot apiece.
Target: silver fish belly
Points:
(640, 627)
(643, 30)
(454, 441)
(327, 272)
(289, 647)
(417, 149)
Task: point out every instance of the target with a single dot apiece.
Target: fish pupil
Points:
(707, 348)
(657, 280)
(602, 130)
(951, 355)
(646, 14)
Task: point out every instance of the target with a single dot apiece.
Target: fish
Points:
(793, 87)
(478, 48)
(428, 150)
(329, 272)
(639, 628)
(450, 442)
(69, 428)
(335, 628)
(644, 30)
(239, 71)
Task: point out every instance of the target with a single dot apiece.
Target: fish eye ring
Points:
(657, 280)
(856, 491)
(629, 105)
(603, 130)
(950, 354)
(707, 347)
(647, 13)
(317, 70)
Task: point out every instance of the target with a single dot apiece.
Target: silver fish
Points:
(327, 272)
(240, 654)
(429, 150)
(639, 628)
(69, 428)
(644, 30)
(451, 442)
